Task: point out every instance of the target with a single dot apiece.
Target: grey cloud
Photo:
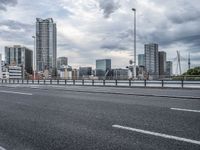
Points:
(108, 7)
(15, 25)
(5, 3)
(18, 32)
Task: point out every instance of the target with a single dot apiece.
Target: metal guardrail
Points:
(122, 83)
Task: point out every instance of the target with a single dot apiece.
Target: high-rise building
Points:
(62, 61)
(162, 63)
(19, 56)
(103, 67)
(0, 67)
(46, 45)
(151, 60)
(169, 68)
(141, 60)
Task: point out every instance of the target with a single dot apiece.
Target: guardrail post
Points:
(65, 81)
(51, 81)
(38, 81)
(104, 82)
(129, 81)
(13, 81)
(57, 81)
(22, 81)
(83, 82)
(44, 81)
(18, 81)
(145, 83)
(93, 82)
(73, 82)
(162, 83)
(116, 82)
(182, 83)
(27, 81)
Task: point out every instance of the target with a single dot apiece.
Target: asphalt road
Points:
(98, 118)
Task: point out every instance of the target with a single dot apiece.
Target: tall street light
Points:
(134, 71)
(34, 56)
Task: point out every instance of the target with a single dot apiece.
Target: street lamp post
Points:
(133, 9)
(34, 54)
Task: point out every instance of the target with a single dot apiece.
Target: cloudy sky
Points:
(93, 29)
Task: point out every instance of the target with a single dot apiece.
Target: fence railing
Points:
(122, 83)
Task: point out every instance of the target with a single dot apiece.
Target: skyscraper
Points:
(46, 45)
(19, 56)
(141, 60)
(103, 67)
(162, 63)
(169, 68)
(151, 60)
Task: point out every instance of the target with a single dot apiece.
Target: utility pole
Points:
(134, 70)
(34, 57)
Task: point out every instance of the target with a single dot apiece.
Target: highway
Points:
(98, 118)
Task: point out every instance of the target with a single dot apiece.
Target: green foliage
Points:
(194, 71)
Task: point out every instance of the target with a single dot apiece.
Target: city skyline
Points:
(90, 30)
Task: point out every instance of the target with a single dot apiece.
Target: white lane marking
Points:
(190, 110)
(12, 92)
(1, 148)
(158, 134)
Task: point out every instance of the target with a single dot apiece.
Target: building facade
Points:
(46, 45)
(62, 61)
(141, 61)
(120, 74)
(162, 56)
(169, 68)
(103, 67)
(15, 72)
(85, 72)
(151, 60)
(0, 67)
(19, 56)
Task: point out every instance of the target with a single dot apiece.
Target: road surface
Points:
(98, 118)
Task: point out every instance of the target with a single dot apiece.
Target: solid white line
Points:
(12, 92)
(1, 148)
(190, 110)
(158, 134)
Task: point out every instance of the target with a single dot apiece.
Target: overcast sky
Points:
(94, 29)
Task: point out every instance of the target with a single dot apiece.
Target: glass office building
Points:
(46, 45)
(103, 67)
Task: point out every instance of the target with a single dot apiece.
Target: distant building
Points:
(19, 56)
(15, 72)
(120, 74)
(169, 68)
(62, 61)
(65, 72)
(85, 72)
(103, 68)
(1, 67)
(141, 60)
(75, 74)
(151, 60)
(162, 63)
(46, 45)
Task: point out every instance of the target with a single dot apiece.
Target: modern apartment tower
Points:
(46, 45)
(151, 60)
(162, 63)
(19, 56)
